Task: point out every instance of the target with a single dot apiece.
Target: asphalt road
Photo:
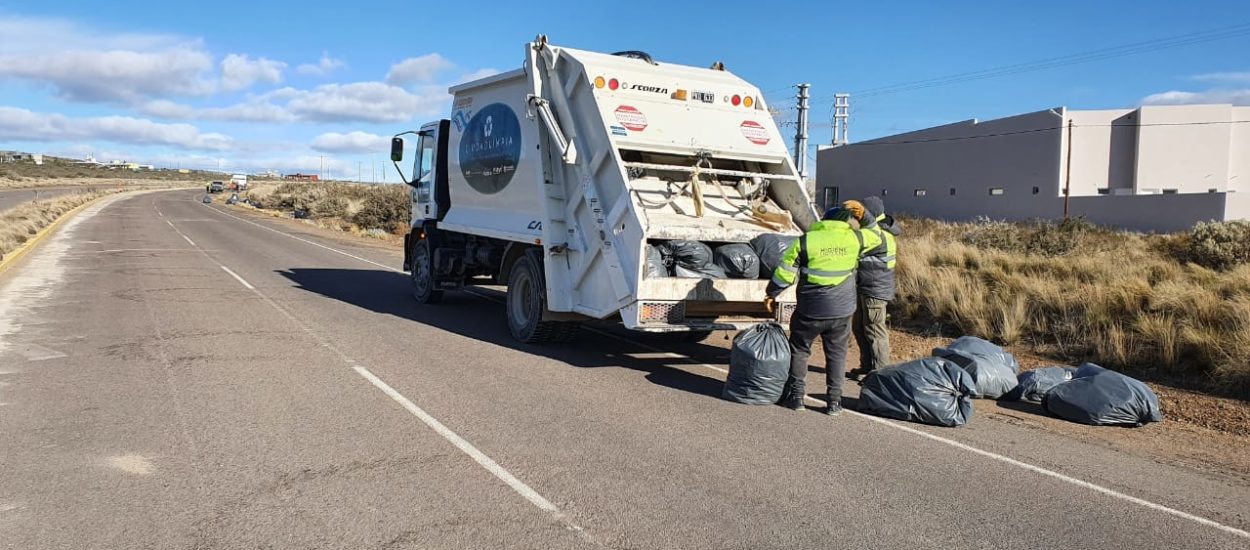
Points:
(172, 376)
(14, 197)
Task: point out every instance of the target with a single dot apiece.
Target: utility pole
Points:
(800, 133)
(1067, 177)
(322, 175)
(360, 170)
(841, 119)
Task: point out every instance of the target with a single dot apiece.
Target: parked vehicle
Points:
(553, 178)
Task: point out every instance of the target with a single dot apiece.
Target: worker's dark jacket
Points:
(876, 268)
(823, 263)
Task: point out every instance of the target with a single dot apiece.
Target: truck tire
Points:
(526, 301)
(424, 286)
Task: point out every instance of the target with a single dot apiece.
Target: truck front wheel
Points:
(424, 287)
(527, 300)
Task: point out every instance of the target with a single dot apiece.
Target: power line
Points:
(1036, 130)
(1055, 62)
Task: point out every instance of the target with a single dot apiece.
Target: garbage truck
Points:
(557, 179)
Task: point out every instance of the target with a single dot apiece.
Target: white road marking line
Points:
(237, 277)
(485, 461)
(189, 241)
(319, 245)
(1036, 469)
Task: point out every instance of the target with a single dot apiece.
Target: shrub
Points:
(329, 207)
(1218, 245)
(384, 207)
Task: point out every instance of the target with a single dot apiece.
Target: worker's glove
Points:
(770, 303)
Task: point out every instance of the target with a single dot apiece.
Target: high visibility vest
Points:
(878, 255)
(827, 255)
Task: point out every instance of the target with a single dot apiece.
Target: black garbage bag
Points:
(929, 391)
(1032, 385)
(709, 271)
(738, 260)
(770, 247)
(1102, 397)
(688, 254)
(993, 369)
(655, 263)
(758, 365)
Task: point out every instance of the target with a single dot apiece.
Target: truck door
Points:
(430, 197)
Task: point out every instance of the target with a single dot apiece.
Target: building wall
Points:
(1184, 147)
(1122, 160)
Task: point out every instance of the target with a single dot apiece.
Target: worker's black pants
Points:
(835, 335)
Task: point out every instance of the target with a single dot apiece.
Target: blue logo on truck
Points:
(490, 148)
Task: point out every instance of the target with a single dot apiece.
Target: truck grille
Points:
(662, 312)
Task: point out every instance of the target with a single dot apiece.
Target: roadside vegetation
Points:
(1173, 308)
(21, 223)
(374, 210)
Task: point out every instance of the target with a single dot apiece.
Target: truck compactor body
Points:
(555, 177)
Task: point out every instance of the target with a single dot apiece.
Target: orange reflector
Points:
(679, 95)
(599, 82)
(747, 101)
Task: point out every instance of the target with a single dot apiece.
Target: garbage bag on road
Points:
(993, 369)
(688, 254)
(770, 247)
(1032, 385)
(930, 391)
(759, 364)
(655, 263)
(738, 260)
(1100, 397)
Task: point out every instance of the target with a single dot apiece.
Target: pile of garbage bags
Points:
(759, 364)
(1102, 397)
(694, 259)
(932, 390)
(992, 368)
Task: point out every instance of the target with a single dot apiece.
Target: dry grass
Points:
(21, 223)
(1084, 294)
(361, 209)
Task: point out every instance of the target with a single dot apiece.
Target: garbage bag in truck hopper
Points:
(993, 369)
(712, 271)
(1032, 385)
(738, 260)
(770, 247)
(655, 263)
(929, 391)
(1100, 397)
(759, 364)
(692, 255)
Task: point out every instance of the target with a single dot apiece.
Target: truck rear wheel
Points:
(527, 300)
(424, 287)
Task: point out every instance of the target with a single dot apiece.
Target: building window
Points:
(996, 191)
(831, 197)
(1036, 189)
(1170, 191)
(919, 192)
(952, 191)
(1104, 191)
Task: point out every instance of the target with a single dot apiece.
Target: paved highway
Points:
(14, 197)
(176, 376)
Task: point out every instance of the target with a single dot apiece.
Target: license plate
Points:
(706, 97)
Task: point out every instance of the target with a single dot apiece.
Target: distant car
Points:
(216, 187)
(207, 199)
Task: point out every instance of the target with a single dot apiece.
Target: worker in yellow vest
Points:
(822, 263)
(875, 280)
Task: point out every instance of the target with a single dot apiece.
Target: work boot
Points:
(792, 397)
(834, 409)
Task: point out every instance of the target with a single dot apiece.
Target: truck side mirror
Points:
(397, 149)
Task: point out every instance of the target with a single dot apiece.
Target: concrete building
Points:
(1155, 168)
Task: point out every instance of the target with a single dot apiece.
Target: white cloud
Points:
(322, 67)
(20, 124)
(250, 111)
(1226, 77)
(363, 101)
(116, 75)
(417, 70)
(351, 143)
(1214, 96)
(239, 72)
(480, 73)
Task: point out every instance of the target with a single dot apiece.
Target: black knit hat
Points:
(874, 206)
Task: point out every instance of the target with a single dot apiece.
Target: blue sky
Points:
(286, 86)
